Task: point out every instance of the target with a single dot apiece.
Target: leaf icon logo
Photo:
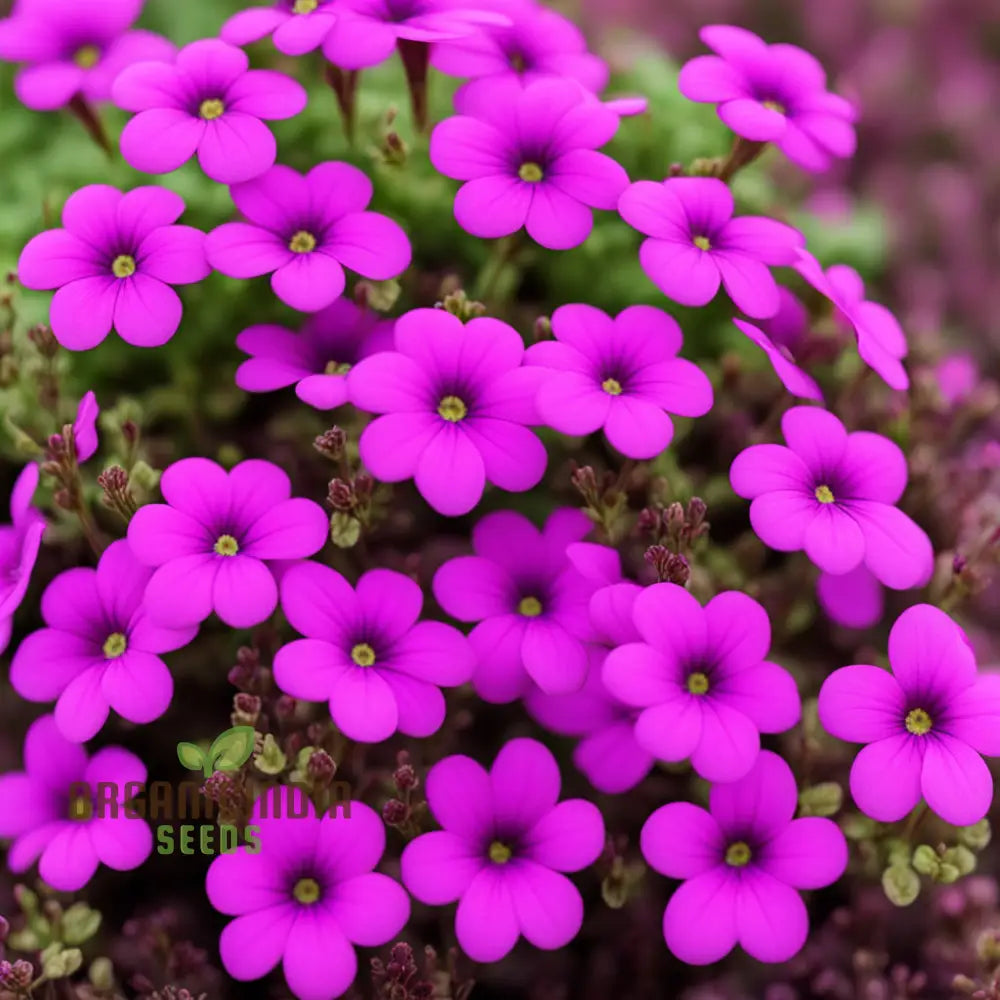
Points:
(228, 752)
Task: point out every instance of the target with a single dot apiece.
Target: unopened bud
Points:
(340, 495)
(976, 836)
(321, 768)
(394, 812)
(246, 709)
(543, 328)
(405, 778)
(926, 860)
(284, 707)
(101, 974)
(824, 799)
(961, 858)
(901, 884)
(331, 443)
(271, 759)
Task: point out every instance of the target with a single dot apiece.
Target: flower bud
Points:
(901, 884)
(963, 860)
(926, 860)
(246, 709)
(284, 707)
(340, 495)
(271, 759)
(101, 974)
(321, 768)
(345, 530)
(405, 778)
(394, 812)
(331, 443)
(824, 799)
(976, 836)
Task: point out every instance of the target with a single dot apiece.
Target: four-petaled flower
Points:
(295, 26)
(793, 378)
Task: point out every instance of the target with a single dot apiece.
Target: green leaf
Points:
(232, 748)
(190, 756)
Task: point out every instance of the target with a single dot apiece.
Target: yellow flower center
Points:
(226, 545)
(612, 386)
(918, 722)
(500, 853)
(738, 854)
(530, 172)
(211, 109)
(774, 106)
(697, 683)
(302, 242)
(304, 6)
(453, 409)
(306, 891)
(363, 655)
(824, 494)
(80, 808)
(115, 645)
(87, 56)
(530, 607)
(123, 266)
(702, 243)
(336, 368)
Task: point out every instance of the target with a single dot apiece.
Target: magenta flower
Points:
(212, 540)
(695, 243)
(113, 265)
(380, 668)
(833, 494)
(926, 722)
(455, 401)
(306, 230)
(74, 47)
(208, 102)
(700, 677)
(793, 378)
(318, 358)
(506, 839)
(308, 897)
(881, 341)
(771, 93)
(295, 26)
(49, 810)
(529, 599)
(618, 374)
(538, 43)
(529, 158)
(365, 32)
(19, 544)
(85, 427)
(854, 599)
(742, 862)
(99, 649)
(957, 377)
(788, 327)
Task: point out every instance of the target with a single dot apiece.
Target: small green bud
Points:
(947, 874)
(976, 836)
(145, 477)
(80, 923)
(26, 899)
(382, 295)
(857, 827)
(926, 860)
(901, 885)
(898, 851)
(271, 759)
(101, 974)
(345, 529)
(62, 963)
(824, 799)
(961, 857)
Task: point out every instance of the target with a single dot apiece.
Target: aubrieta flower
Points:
(19, 544)
(367, 654)
(49, 810)
(530, 602)
(365, 32)
(833, 494)
(701, 678)
(295, 26)
(308, 897)
(854, 599)
(620, 374)
(212, 540)
(99, 649)
(74, 47)
(926, 722)
(771, 93)
(113, 265)
(455, 400)
(505, 841)
(207, 102)
(306, 230)
(881, 341)
(528, 157)
(317, 358)
(85, 427)
(788, 327)
(793, 378)
(695, 243)
(743, 862)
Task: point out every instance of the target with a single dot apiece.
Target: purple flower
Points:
(529, 599)
(538, 43)
(456, 401)
(926, 722)
(208, 102)
(742, 862)
(318, 358)
(19, 544)
(295, 26)
(505, 841)
(85, 427)
(307, 897)
(881, 341)
(49, 810)
(113, 265)
(529, 158)
(833, 494)
(957, 376)
(700, 677)
(788, 327)
(74, 47)
(793, 378)
(212, 540)
(771, 93)
(99, 649)
(854, 599)
(365, 32)
(367, 654)
(307, 229)
(618, 374)
(695, 243)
